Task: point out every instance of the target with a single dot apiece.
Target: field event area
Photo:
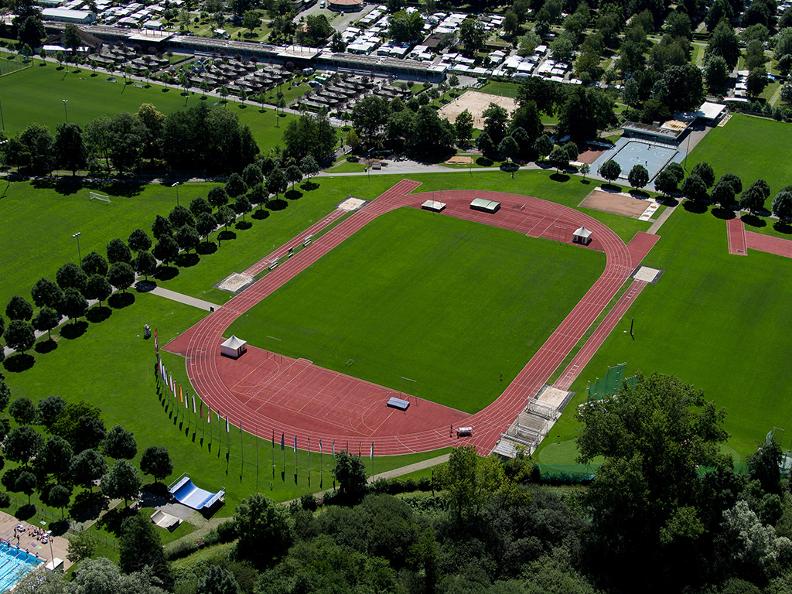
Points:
(440, 308)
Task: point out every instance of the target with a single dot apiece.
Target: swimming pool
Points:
(14, 565)
(652, 156)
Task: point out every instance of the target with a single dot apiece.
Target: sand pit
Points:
(476, 103)
(622, 204)
(460, 160)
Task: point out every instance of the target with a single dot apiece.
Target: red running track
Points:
(769, 244)
(735, 235)
(295, 397)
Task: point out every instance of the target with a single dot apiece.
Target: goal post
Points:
(97, 197)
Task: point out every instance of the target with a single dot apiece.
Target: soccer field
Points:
(750, 147)
(718, 321)
(435, 306)
(36, 94)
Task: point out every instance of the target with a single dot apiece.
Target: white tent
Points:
(233, 347)
(582, 235)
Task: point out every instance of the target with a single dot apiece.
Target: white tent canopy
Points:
(582, 235)
(233, 347)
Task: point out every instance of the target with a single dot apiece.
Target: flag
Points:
(283, 441)
(181, 394)
(186, 400)
(295, 444)
(371, 453)
(208, 414)
(273, 439)
(200, 408)
(228, 427)
(194, 408)
(320, 446)
(334, 448)
(156, 341)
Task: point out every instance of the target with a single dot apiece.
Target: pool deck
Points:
(60, 545)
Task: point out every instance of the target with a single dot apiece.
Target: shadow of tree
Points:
(695, 207)
(309, 186)
(277, 204)
(723, 213)
(45, 346)
(260, 214)
(165, 273)
(74, 329)
(206, 247)
(121, 300)
(560, 177)
(753, 220)
(293, 194)
(243, 225)
(19, 362)
(145, 286)
(25, 512)
(187, 260)
(87, 506)
(98, 313)
(226, 235)
(785, 228)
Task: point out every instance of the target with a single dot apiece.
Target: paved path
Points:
(414, 168)
(664, 216)
(185, 299)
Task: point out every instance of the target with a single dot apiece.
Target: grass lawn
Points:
(717, 321)
(35, 95)
(427, 302)
(11, 63)
(291, 92)
(501, 88)
(750, 147)
(344, 166)
(39, 223)
(110, 366)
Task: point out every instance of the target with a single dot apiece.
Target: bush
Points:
(5, 500)
(226, 532)
(180, 549)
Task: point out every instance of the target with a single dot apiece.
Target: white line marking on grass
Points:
(274, 338)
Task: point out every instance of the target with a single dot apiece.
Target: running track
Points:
(740, 241)
(424, 427)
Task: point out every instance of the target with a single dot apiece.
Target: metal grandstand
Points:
(533, 423)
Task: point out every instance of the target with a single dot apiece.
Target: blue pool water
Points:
(652, 156)
(14, 565)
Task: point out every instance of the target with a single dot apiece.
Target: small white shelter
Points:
(582, 236)
(433, 205)
(233, 347)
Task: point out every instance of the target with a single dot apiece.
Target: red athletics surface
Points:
(767, 243)
(735, 234)
(267, 393)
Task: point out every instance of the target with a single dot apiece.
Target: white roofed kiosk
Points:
(233, 347)
(485, 205)
(582, 236)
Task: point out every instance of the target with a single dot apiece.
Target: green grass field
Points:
(111, 366)
(35, 95)
(39, 223)
(458, 307)
(717, 321)
(750, 147)
(501, 88)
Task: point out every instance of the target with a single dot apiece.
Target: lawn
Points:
(35, 95)
(717, 321)
(110, 366)
(457, 307)
(501, 88)
(750, 147)
(11, 63)
(38, 225)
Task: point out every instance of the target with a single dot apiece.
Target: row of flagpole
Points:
(182, 400)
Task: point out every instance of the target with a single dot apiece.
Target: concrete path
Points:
(664, 216)
(417, 168)
(185, 299)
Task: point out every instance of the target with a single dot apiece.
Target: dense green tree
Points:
(218, 197)
(733, 180)
(584, 113)
(764, 465)
(98, 288)
(19, 335)
(277, 182)
(157, 462)
(69, 147)
(263, 530)
(406, 27)
(22, 444)
(756, 81)
(71, 276)
(166, 249)
(218, 580)
(496, 120)
(351, 476)
(31, 31)
(199, 206)
(471, 35)
(782, 206)
(81, 425)
(19, 309)
(23, 411)
(705, 172)
(723, 42)
(526, 116)
(205, 224)
(94, 263)
(119, 443)
(58, 496)
(695, 188)
(121, 276)
(485, 145)
(145, 264)
(55, 457)
(783, 45)
(46, 293)
(26, 483)
(543, 146)
(181, 216)
(369, 117)
(467, 481)
(610, 170)
(716, 73)
(539, 91)
(251, 175)
(140, 547)
(49, 409)
(559, 159)
(678, 24)
(309, 166)
(724, 195)
(187, 237)
(39, 148)
(121, 481)
(235, 186)
(5, 394)
(463, 127)
(162, 226)
(46, 320)
(753, 199)
(86, 467)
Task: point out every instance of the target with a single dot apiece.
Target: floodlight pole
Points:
(176, 185)
(66, 108)
(79, 256)
(2, 118)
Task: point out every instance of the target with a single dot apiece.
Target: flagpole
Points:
(242, 452)
(257, 459)
(309, 461)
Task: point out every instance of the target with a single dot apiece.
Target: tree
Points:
(46, 293)
(276, 182)
(309, 166)
(187, 237)
(140, 547)
(680, 88)
(49, 409)
(122, 481)
(764, 465)
(251, 20)
(262, 529)
(638, 176)
(508, 148)
(82, 546)
(610, 170)
(463, 126)
(543, 146)
(293, 174)
(156, 462)
(145, 264)
(235, 186)
(723, 194)
(139, 241)
(58, 496)
(406, 27)
(5, 394)
(723, 42)
(86, 467)
(351, 476)
(559, 159)
(251, 175)
(496, 119)
(733, 180)
(22, 444)
(46, 319)
(757, 81)
(71, 276)
(162, 226)
(716, 73)
(782, 206)
(23, 411)
(584, 113)
(26, 483)
(181, 216)
(467, 481)
(369, 117)
(121, 276)
(225, 216)
(199, 206)
(19, 335)
(70, 150)
(753, 199)
(485, 145)
(55, 457)
(81, 425)
(705, 172)
(167, 249)
(93, 264)
(19, 309)
(783, 46)
(562, 48)
(205, 224)
(98, 288)
(119, 444)
(218, 580)
(695, 189)
(511, 23)
(644, 502)
(218, 197)
(31, 32)
(472, 35)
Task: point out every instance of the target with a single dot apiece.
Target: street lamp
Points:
(66, 108)
(79, 256)
(176, 185)
(2, 118)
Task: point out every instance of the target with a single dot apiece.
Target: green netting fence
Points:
(610, 383)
